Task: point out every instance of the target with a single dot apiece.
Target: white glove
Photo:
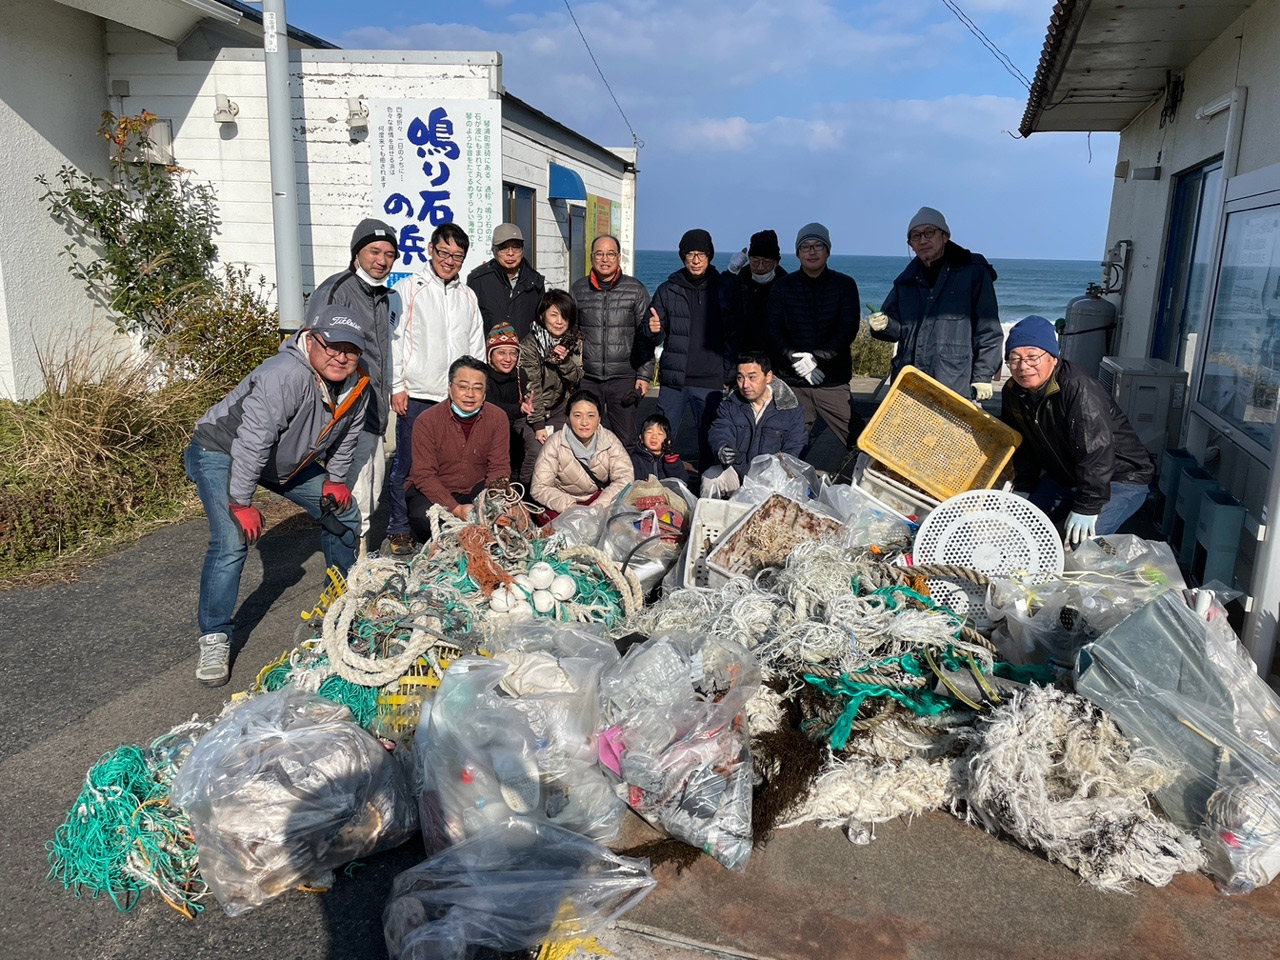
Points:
(738, 260)
(1080, 527)
(804, 364)
(982, 391)
(816, 377)
(878, 321)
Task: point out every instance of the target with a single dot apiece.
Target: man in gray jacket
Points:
(613, 315)
(291, 426)
(362, 289)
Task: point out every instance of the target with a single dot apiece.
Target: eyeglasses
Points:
(605, 255)
(1026, 361)
(695, 255)
(447, 257)
(346, 351)
(761, 261)
(811, 247)
(928, 233)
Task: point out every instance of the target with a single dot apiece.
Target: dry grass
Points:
(96, 456)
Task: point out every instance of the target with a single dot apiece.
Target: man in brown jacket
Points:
(459, 448)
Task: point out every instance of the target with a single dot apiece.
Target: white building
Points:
(1193, 90)
(63, 62)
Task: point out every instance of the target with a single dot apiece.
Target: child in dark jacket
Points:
(655, 454)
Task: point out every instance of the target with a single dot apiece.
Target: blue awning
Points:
(566, 184)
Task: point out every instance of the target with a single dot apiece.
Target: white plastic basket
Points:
(711, 518)
(721, 562)
(903, 499)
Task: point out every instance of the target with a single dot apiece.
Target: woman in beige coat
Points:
(584, 463)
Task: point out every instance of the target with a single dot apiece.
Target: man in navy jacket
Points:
(762, 416)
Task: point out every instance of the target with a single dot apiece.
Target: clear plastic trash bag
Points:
(675, 736)
(483, 757)
(513, 886)
(285, 789)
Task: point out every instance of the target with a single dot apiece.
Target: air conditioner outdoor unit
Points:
(1152, 394)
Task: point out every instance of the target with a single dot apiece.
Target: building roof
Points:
(1105, 61)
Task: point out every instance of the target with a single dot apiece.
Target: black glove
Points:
(728, 456)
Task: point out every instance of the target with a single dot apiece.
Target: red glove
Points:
(250, 521)
(340, 493)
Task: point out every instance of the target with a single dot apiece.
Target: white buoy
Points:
(563, 587)
(541, 575)
(520, 610)
(543, 601)
(500, 602)
(522, 587)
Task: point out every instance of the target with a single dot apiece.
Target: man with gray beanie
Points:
(813, 319)
(1080, 461)
(362, 289)
(942, 311)
(506, 287)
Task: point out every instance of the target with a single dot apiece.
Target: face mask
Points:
(459, 413)
(765, 278)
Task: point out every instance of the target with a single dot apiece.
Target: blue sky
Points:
(759, 115)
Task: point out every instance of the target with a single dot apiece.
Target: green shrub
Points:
(871, 357)
(221, 334)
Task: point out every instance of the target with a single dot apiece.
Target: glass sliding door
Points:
(1186, 283)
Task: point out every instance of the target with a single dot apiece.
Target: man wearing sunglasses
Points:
(440, 321)
(942, 311)
(1080, 460)
(291, 426)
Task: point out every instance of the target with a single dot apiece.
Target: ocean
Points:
(1023, 287)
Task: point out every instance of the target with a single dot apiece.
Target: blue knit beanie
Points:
(1033, 331)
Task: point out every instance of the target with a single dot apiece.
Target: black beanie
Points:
(371, 231)
(764, 244)
(697, 240)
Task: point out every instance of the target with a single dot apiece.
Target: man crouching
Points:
(291, 426)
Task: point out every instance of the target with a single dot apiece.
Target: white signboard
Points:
(435, 162)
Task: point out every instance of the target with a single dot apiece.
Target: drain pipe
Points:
(1233, 102)
(284, 182)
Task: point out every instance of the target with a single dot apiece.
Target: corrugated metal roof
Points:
(1104, 61)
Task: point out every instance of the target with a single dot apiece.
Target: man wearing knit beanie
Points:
(813, 319)
(690, 316)
(507, 288)
(942, 311)
(751, 306)
(1080, 460)
(362, 289)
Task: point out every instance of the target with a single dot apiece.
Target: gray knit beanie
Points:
(929, 217)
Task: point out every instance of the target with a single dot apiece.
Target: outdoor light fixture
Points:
(357, 114)
(226, 110)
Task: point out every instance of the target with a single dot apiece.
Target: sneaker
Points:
(402, 545)
(214, 668)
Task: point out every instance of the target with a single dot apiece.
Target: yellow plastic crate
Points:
(936, 438)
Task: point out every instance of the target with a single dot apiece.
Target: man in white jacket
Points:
(439, 322)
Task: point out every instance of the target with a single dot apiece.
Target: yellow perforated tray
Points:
(936, 438)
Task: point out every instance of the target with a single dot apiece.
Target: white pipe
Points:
(284, 178)
(1232, 101)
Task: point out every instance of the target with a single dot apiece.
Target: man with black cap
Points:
(942, 311)
(751, 309)
(690, 317)
(291, 426)
(507, 288)
(362, 290)
(1080, 460)
(813, 319)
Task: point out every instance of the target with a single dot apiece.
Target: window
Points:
(518, 208)
(1185, 286)
(579, 255)
(1241, 373)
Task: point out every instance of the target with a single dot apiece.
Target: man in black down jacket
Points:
(1079, 456)
(689, 317)
(813, 318)
(507, 288)
(362, 289)
(750, 333)
(942, 311)
(617, 361)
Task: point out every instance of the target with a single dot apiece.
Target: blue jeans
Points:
(401, 464)
(210, 471)
(705, 403)
(1056, 500)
